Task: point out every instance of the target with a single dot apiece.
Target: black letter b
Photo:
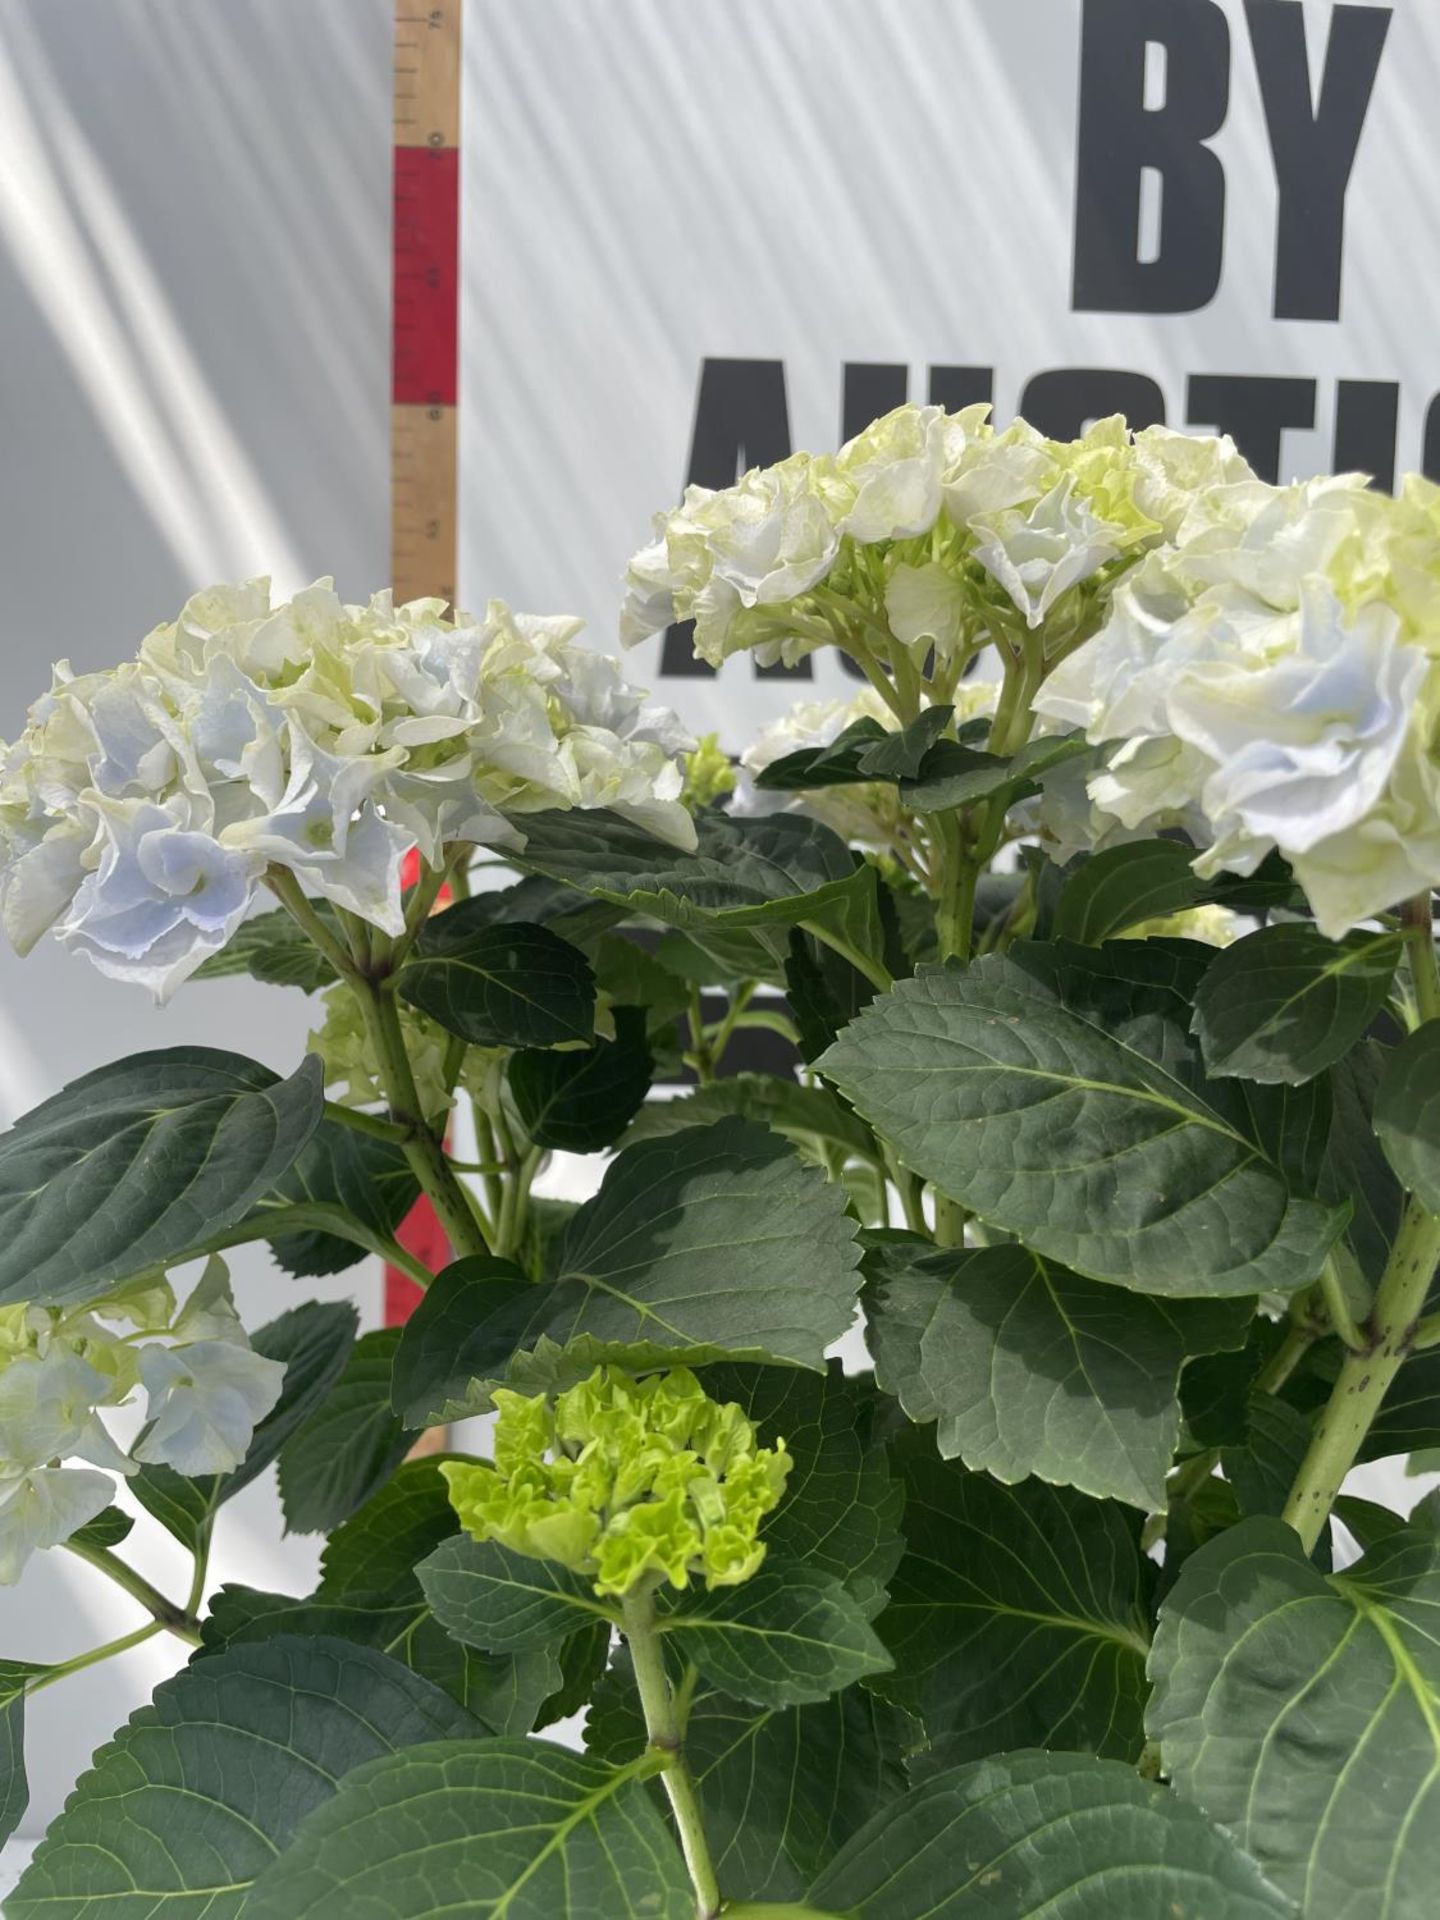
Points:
(1120, 138)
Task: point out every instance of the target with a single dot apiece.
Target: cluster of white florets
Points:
(205, 1391)
(1270, 679)
(142, 806)
(944, 529)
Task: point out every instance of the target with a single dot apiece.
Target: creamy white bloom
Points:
(891, 475)
(47, 1412)
(141, 808)
(1040, 551)
(1333, 715)
(1265, 683)
(43, 1507)
(205, 1400)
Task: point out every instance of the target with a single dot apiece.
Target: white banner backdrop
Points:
(699, 233)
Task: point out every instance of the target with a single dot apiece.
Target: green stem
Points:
(370, 1124)
(662, 1725)
(1420, 939)
(291, 895)
(739, 1001)
(419, 906)
(1299, 1338)
(1365, 1377)
(874, 969)
(164, 1613)
(318, 1217)
(196, 1596)
(909, 1189)
(78, 1662)
(1337, 1307)
(424, 1152)
(950, 1220)
(959, 876)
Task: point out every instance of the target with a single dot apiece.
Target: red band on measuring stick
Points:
(425, 366)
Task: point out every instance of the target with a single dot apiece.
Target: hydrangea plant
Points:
(1057, 1032)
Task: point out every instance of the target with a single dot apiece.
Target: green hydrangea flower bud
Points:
(626, 1480)
(708, 773)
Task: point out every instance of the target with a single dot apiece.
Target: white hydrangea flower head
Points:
(61, 1369)
(141, 807)
(1267, 684)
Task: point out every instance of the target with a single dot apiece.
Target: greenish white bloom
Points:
(206, 1391)
(141, 807)
(1272, 681)
(629, 1481)
(204, 1402)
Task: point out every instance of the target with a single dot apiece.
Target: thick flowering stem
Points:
(1365, 1376)
(666, 1735)
(423, 1151)
(164, 1613)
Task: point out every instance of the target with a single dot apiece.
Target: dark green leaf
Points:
(1270, 888)
(1044, 1836)
(1019, 1615)
(1215, 1389)
(836, 765)
(952, 775)
(369, 1592)
(788, 1636)
(349, 1446)
(1262, 1470)
(510, 985)
(1122, 886)
(1368, 1522)
(141, 1161)
(512, 1828)
(15, 1675)
(842, 1508)
(1356, 1172)
(1407, 1113)
(582, 1659)
(546, 903)
(898, 756)
(460, 1338)
(206, 1785)
(1303, 1713)
(1029, 1369)
(107, 1529)
(770, 872)
(1409, 1416)
(1285, 1002)
(712, 1244)
(314, 1341)
(824, 991)
(504, 1602)
(582, 1100)
(275, 948)
(1291, 1124)
(781, 1789)
(808, 1117)
(1048, 1125)
(368, 1180)
(629, 975)
(506, 1694)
